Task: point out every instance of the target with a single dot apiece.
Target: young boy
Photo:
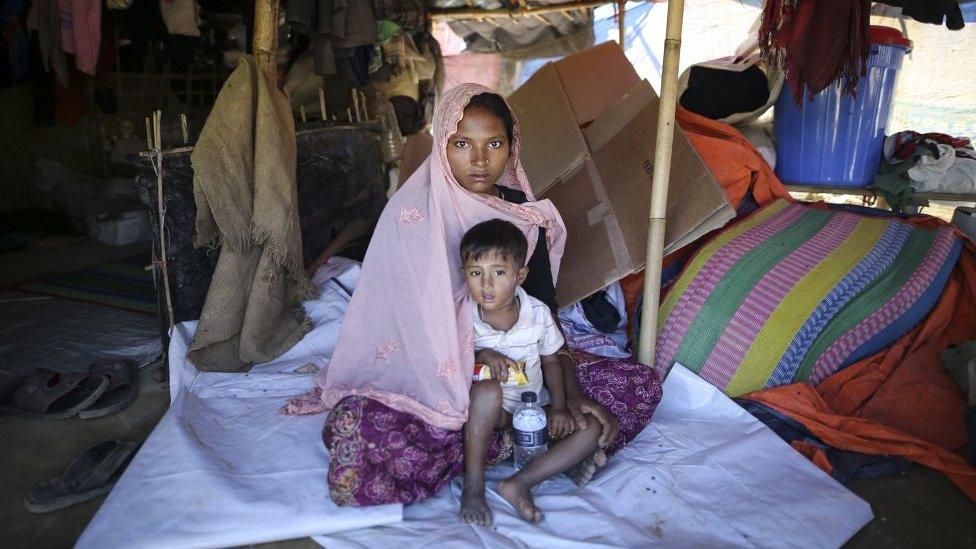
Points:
(511, 326)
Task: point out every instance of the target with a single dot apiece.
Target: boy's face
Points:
(492, 279)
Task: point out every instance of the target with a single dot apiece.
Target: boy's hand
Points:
(561, 423)
(496, 362)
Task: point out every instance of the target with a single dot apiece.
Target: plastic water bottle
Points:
(531, 436)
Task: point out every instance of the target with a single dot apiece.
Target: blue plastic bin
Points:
(836, 139)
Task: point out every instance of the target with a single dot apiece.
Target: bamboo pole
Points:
(622, 23)
(659, 184)
(266, 13)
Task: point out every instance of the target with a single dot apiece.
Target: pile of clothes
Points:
(930, 162)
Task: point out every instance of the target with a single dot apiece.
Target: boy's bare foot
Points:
(474, 508)
(520, 497)
(582, 473)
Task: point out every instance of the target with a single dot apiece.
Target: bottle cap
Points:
(529, 396)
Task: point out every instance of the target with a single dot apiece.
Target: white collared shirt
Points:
(534, 334)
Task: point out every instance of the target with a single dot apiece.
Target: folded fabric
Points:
(929, 162)
(598, 324)
(795, 293)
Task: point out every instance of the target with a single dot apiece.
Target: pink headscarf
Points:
(407, 338)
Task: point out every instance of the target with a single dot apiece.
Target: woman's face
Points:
(478, 152)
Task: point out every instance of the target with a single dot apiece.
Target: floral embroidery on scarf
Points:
(384, 351)
(469, 342)
(446, 368)
(444, 407)
(410, 216)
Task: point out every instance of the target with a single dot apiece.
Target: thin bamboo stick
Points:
(185, 128)
(301, 109)
(362, 95)
(355, 104)
(322, 104)
(660, 181)
(161, 212)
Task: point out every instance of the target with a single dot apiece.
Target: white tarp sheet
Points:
(65, 335)
(223, 468)
(704, 473)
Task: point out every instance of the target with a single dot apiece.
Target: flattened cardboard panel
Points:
(693, 195)
(588, 258)
(595, 78)
(603, 129)
(551, 142)
(624, 166)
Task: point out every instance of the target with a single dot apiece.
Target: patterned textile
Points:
(794, 293)
(380, 455)
(630, 390)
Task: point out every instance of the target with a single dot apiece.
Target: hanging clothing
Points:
(332, 24)
(81, 31)
(816, 42)
(931, 11)
(44, 18)
(246, 198)
(181, 16)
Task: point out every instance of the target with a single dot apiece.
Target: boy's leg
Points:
(562, 456)
(484, 414)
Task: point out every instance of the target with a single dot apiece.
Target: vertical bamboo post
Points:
(185, 128)
(355, 104)
(266, 13)
(157, 133)
(622, 23)
(660, 180)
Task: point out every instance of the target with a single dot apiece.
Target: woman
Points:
(399, 379)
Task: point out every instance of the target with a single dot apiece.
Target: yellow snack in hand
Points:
(516, 375)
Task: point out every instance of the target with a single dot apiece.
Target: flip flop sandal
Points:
(90, 475)
(121, 391)
(52, 395)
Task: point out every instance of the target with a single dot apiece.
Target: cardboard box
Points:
(588, 132)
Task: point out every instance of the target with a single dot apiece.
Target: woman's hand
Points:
(496, 362)
(578, 406)
(561, 423)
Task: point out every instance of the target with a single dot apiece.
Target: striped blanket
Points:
(795, 293)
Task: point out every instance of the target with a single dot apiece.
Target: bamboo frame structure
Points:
(660, 181)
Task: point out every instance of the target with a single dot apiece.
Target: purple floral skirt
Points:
(380, 455)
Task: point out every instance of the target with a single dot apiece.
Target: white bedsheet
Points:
(223, 468)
